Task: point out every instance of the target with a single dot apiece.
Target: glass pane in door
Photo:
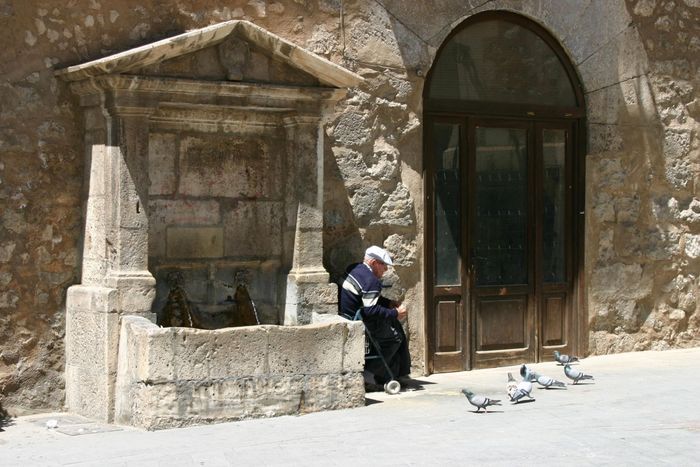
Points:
(501, 196)
(554, 205)
(447, 203)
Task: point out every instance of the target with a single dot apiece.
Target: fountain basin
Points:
(173, 377)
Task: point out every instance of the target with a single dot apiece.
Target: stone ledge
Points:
(87, 298)
(186, 403)
(170, 377)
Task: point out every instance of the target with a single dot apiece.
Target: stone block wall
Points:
(637, 58)
(169, 377)
(643, 203)
(217, 215)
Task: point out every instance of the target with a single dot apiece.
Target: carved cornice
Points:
(322, 69)
(301, 120)
(156, 91)
(210, 118)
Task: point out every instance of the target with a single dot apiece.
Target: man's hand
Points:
(402, 311)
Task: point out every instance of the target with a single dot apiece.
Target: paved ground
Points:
(642, 409)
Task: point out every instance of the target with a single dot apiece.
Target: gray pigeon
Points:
(480, 402)
(521, 390)
(544, 381)
(527, 374)
(563, 359)
(575, 374)
(547, 382)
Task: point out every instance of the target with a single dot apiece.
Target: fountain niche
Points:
(203, 296)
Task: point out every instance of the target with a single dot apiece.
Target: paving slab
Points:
(641, 409)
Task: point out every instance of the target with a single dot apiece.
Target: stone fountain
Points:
(204, 156)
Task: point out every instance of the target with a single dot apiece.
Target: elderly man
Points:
(361, 290)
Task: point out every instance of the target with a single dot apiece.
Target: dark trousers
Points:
(389, 335)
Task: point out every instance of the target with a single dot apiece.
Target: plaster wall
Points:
(638, 60)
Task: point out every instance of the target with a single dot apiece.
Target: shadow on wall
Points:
(374, 152)
(640, 240)
(641, 192)
(341, 235)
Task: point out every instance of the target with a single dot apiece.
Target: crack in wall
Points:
(615, 83)
(605, 44)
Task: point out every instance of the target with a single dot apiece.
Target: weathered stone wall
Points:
(41, 169)
(644, 189)
(42, 158)
(374, 195)
(638, 61)
(171, 377)
(216, 215)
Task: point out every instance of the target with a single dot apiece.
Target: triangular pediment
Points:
(233, 50)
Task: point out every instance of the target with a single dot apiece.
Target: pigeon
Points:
(521, 390)
(575, 374)
(542, 380)
(563, 359)
(547, 382)
(512, 385)
(527, 374)
(480, 402)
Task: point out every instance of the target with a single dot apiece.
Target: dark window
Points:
(500, 61)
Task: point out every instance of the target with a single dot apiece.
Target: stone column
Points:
(128, 271)
(308, 290)
(115, 277)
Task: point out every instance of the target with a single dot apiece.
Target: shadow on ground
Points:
(409, 385)
(5, 419)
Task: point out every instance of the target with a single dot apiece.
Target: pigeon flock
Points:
(520, 390)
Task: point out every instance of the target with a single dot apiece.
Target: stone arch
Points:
(500, 100)
(624, 140)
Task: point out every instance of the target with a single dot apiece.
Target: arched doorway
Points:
(504, 122)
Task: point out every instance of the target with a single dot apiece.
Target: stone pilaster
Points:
(116, 279)
(129, 270)
(308, 289)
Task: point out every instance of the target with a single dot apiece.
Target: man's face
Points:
(378, 268)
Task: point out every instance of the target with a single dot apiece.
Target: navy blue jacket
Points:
(361, 290)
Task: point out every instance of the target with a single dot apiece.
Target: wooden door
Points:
(500, 236)
(501, 253)
(504, 198)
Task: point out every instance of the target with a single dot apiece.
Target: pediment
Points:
(230, 51)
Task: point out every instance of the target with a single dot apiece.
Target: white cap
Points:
(378, 254)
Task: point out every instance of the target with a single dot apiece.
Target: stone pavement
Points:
(642, 409)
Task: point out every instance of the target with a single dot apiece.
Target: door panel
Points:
(450, 351)
(554, 234)
(500, 197)
(447, 188)
(500, 243)
(554, 205)
(447, 323)
(501, 323)
(554, 320)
